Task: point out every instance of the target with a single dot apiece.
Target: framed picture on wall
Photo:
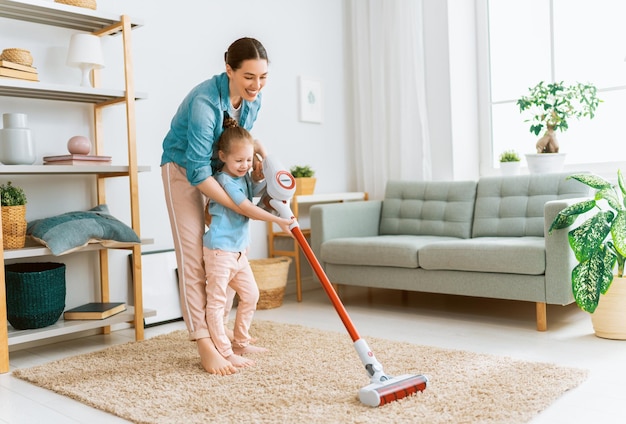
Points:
(310, 100)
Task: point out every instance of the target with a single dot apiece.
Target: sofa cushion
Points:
(513, 206)
(509, 255)
(391, 251)
(433, 208)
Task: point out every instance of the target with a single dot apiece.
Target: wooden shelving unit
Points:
(101, 24)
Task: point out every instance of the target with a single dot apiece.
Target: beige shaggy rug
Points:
(308, 376)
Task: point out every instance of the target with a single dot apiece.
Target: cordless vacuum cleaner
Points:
(383, 388)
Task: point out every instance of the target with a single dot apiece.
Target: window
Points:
(527, 41)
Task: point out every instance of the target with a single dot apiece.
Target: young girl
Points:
(225, 245)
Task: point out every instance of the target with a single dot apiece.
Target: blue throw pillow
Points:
(70, 231)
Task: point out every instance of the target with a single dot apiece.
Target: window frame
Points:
(486, 150)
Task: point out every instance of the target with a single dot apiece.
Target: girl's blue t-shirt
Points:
(198, 124)
(229, 231)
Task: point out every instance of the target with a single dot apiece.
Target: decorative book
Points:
(17, 66)
(95, 310)
(75, 159)
(16, 73)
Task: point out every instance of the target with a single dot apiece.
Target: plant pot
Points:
(14, 226)
(305, 186)
(545, 163)
(509, 168)
(609, 318)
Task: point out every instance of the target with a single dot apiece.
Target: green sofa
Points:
(485, 238)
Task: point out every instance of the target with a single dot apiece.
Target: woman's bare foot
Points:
(211, 360)
(239, 361)
(248, 349)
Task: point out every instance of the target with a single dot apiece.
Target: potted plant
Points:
(550, 106)
(599, 244)
(509, 162)
(305, 181)
(13, 201)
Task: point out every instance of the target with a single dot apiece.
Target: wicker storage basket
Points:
(20, 56)
(271, 278)
(14, 226)
(35, 294)
(89, 4)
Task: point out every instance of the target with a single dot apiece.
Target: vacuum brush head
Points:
(378, 394)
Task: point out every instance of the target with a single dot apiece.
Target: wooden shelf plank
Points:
(14, 87)
(62, 327)
(60, 15)
(113, 170)
(33, 249)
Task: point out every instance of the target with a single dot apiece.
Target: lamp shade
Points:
(85, 52)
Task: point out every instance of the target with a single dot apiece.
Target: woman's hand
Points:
(257, 168)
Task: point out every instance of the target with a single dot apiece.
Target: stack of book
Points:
(77, 160)
(19, 71)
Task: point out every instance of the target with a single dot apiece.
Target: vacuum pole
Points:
(326, 284)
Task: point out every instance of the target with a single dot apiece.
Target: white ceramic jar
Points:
(16, 141)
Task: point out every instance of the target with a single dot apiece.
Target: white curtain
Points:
(391, 138)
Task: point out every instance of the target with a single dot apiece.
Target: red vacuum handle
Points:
(326, 284)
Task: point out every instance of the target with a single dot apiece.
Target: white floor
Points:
(480, 325)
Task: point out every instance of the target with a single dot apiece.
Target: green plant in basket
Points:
(304, 171)
(599, 243)
(11, 195)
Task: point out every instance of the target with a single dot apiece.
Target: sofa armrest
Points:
(346, 219)
(560, 259)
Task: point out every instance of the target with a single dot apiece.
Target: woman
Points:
(187, 166)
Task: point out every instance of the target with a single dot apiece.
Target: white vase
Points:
(545, 163)
(16, 142)
(509, 168)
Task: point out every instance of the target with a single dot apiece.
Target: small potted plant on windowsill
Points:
(13, 201)
(599, 244)
(509, 162)
(305, 181)
(550, 106)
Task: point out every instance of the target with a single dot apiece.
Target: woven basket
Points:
(35, 294)
(14, 226)
(89, 4)
(271, 278)
(21, 56)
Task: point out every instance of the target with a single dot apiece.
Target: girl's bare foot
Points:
(211, 360)
(239, 361)
(249, 349)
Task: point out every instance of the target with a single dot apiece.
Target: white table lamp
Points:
(85, 52)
